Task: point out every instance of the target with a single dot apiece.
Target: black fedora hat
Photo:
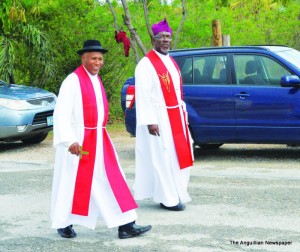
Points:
(92, 46)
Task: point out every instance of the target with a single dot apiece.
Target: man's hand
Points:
(75, 149)
(153, 129)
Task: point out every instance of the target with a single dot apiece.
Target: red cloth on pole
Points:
(121, 37)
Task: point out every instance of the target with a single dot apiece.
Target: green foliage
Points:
(22, 43)
(261, 23)
(8, 48)
(42, 44)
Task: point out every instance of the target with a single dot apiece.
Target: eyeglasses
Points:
(163, 37)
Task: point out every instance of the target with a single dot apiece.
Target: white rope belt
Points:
(90, 128)
(167, 107)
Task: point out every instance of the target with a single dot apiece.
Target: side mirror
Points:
(290, 81)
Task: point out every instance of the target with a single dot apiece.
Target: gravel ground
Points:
(245, 198)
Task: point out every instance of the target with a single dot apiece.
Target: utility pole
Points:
(217, 33)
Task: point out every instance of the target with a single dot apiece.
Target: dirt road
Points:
(245, 198)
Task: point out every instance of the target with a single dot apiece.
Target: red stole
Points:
(84, 178)
(181, 140)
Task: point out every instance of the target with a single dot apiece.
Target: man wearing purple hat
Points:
(163, 143)
(88, 181)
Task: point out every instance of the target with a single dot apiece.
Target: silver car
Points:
(26, 113)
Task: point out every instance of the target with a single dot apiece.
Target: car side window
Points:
(274, 71)
(258, 70)
(210, 69)
(186, 69)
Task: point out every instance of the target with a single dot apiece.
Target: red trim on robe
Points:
(84, 178)
(181, 140)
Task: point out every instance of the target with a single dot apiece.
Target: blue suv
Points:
(237, 94)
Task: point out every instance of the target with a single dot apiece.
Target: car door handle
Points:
(242, 95)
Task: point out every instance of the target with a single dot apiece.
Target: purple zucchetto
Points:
(162, 26)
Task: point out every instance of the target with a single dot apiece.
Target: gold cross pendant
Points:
(82, 152)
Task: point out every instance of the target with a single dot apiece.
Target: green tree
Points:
(86, 19)
(39, 48)
(22, 42)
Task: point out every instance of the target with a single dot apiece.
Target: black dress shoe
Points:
(132, 230)
(179, 207)
(67, 232)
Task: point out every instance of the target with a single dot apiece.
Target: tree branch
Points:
(114, 15)
(147, 20)
(181, 23)
(132, 30)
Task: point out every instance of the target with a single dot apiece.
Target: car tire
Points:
(35, 139)
(210, 146)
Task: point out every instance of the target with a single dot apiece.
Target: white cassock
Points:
(158, 175)
(68, 128)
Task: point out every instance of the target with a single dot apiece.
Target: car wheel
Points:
(210, 146)
(36, 139)
(194, 147)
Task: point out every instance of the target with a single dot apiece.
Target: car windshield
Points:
(291, 55)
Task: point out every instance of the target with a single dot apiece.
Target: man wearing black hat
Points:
(88, 180)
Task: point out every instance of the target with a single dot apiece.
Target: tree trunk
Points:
(147, 19)
(181, 23)
(135, 49)
(117, 29)
(11, 78)
(114, 15)
(133, 31)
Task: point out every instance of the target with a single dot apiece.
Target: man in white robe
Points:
(159, 173)
(76, 168)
